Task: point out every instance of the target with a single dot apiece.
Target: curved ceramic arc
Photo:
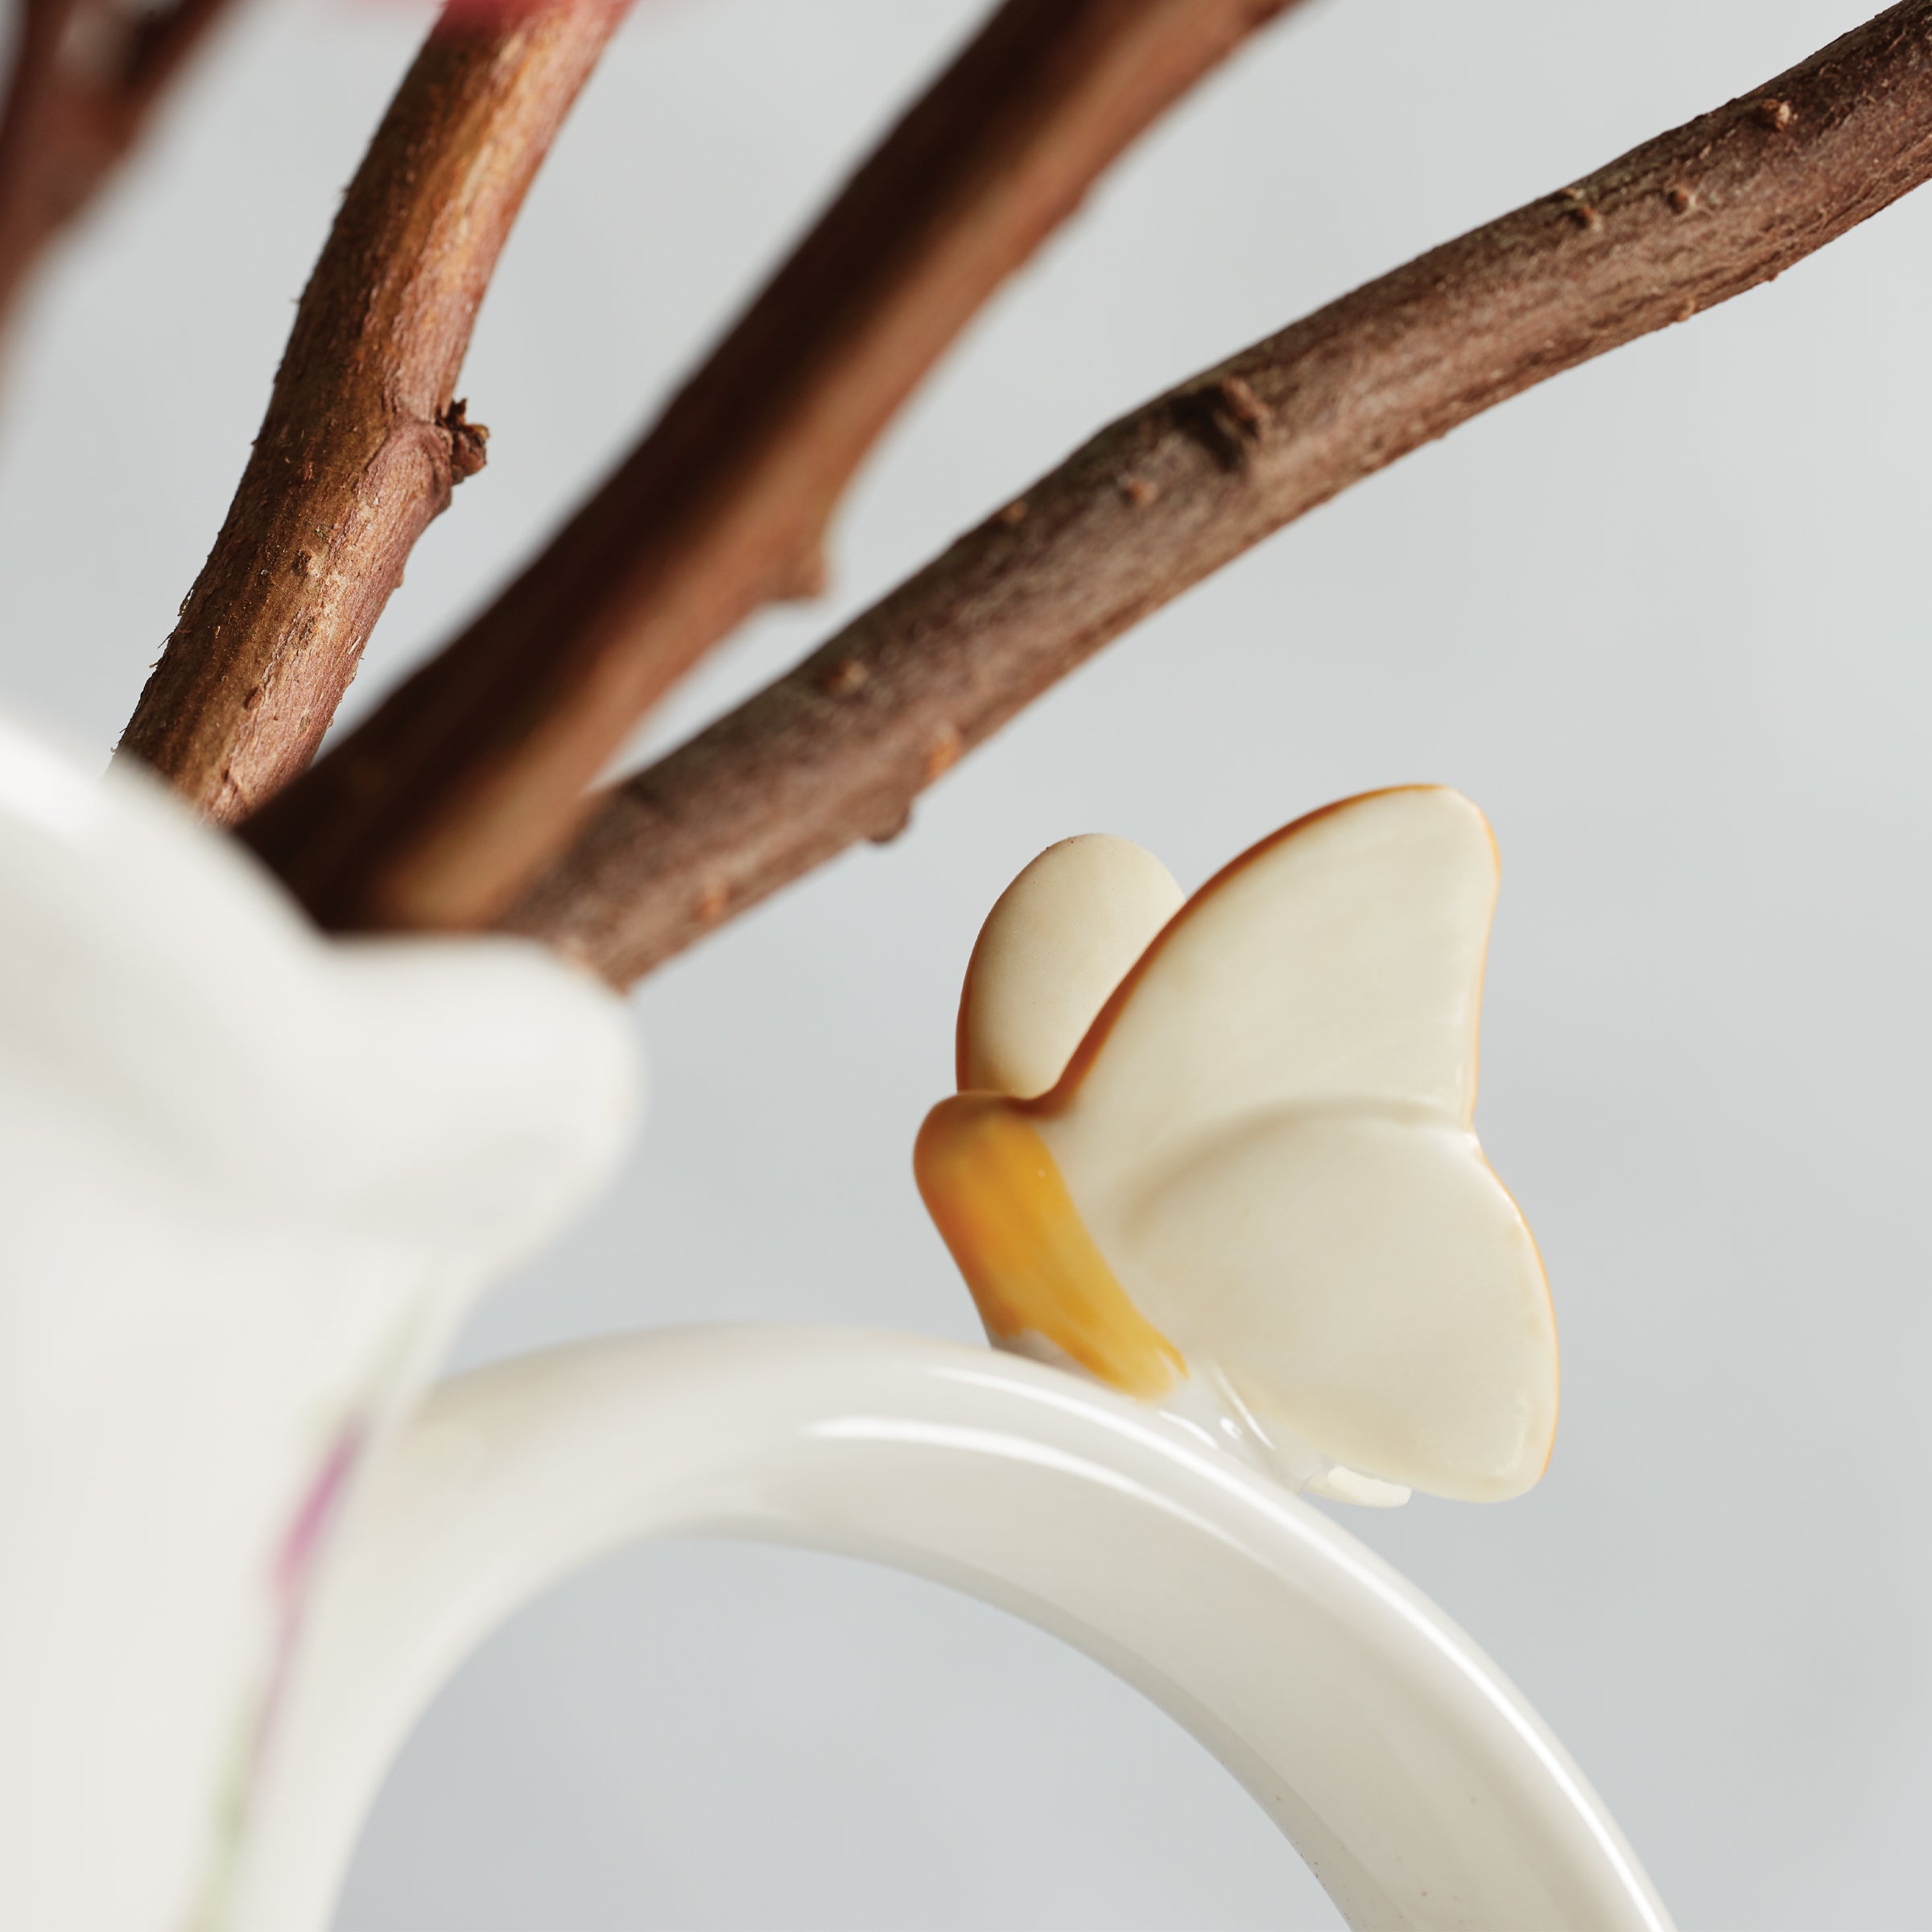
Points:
(1419, 1786)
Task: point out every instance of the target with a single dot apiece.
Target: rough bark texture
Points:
(838, 751)
(86, 77)
(438, 808)
(362, 441)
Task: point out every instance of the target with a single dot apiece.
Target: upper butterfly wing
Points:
(1060, 938)
(1340, 960)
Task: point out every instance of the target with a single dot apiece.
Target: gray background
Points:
(1664, 619)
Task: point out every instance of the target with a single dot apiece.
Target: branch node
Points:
(1226, 416)
(942, 751)
(468, 441)
(842, 679)
(889, 829)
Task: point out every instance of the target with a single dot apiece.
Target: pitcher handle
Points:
(1419, 1786)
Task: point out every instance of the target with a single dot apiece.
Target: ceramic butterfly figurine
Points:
(1218, 1154)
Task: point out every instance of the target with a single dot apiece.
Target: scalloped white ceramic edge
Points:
(249, 1179)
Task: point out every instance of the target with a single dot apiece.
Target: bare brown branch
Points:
(438, 808)
(86, 77)
(837, 751)
(158, 43)
(362, 441)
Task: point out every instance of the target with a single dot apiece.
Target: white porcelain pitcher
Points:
(251, 1179)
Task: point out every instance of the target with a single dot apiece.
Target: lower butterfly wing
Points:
(1361, 1282)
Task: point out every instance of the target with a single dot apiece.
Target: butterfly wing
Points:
(1061, 936)
(1267, 1133)
(1340, 960)
(1363, 1284)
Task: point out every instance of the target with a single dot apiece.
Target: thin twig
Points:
(837, 751)
(362, 442)
(441, 806)
(86, 78)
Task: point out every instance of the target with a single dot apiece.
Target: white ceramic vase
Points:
(249, 1181)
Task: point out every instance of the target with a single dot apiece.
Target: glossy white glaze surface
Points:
(1418, 1784)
